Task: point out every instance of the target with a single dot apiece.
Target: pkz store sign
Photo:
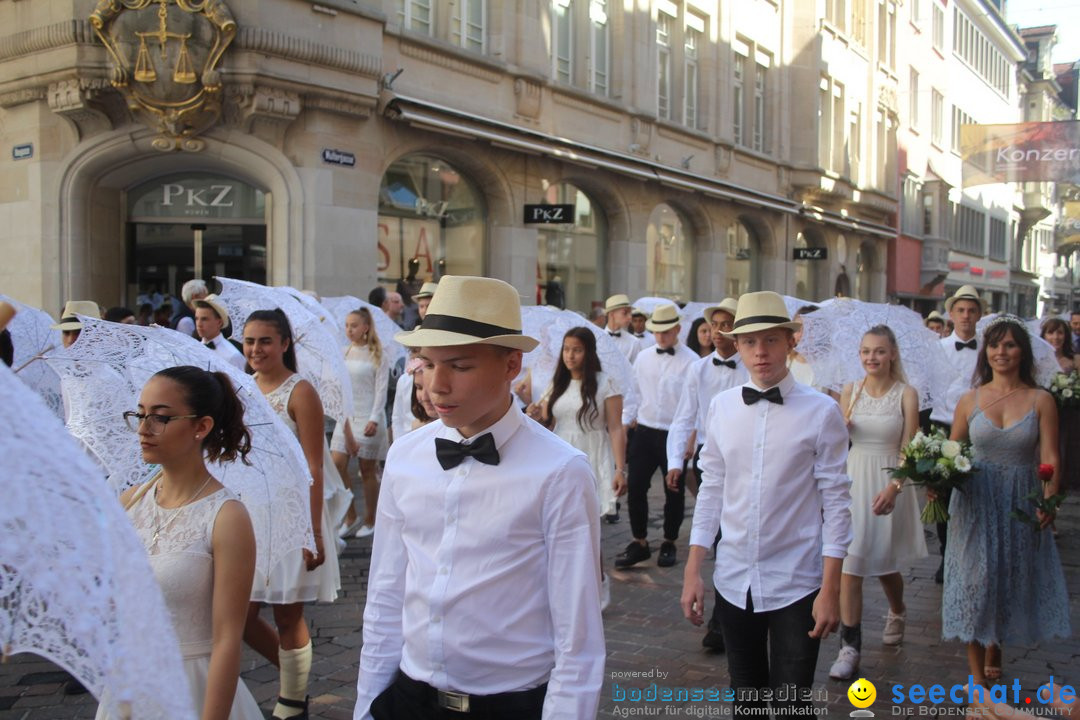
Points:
(811, 253)
(196, 195)
(549, 214)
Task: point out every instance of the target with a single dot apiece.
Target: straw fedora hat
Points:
(759, 311)
(638, 312)
(615, 302)
(68, 319)
(664, 317)
(965, 292)
(214, 303)
(469, 310)
(426, 290)
(728, 305)
(935, 315)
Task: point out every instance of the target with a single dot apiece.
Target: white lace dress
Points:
(369, 383)
(183, 563)
(594, 440)
(883, 544)
(290, 581)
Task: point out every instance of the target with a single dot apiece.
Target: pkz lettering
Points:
(198, 196)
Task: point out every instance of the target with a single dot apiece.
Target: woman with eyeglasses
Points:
(269, 350)
(197, 533)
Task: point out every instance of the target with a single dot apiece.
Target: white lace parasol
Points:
(1046, 364)
(794, 304)
(315, 307)
(832, 334)
(385, 328)
(548, 325)
(32, 335)
(318, 352)
(103, 374)
(75, 583)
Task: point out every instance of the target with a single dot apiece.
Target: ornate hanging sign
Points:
(165, 56)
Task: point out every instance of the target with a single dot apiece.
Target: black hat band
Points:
(465, 326)
(755, 319)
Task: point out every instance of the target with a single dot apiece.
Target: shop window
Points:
(430, 211)
(669, 252)
(569, 260)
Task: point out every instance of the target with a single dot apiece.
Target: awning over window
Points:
(450, 121)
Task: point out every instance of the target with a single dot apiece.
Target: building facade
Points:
(324, 145)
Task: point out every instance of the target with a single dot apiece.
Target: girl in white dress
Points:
(584, 408)
(268, 348)
(364, 436)
(883, 414)
(197, 533)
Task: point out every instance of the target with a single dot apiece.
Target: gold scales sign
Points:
(165, 56)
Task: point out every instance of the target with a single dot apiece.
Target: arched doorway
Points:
(569, 257)
(668, 250)
(430, 211)
(809, 271)
(193, 225)
(743, 259)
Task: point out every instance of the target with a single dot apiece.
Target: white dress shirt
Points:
(963, 362)
(626, 342)
(646, 340)
(705, 381)
(227, 351)
(660, 379)
(484, 578)
(401, 418)
(773, 477)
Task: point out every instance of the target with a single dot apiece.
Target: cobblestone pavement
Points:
(645, 634)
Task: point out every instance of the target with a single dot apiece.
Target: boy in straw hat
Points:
(617, 308)
(70, 326)
(660, 373)
(708, 377)
(965, 307)
(936, 322)
(484, 589)
(211, 317)
(774, 483)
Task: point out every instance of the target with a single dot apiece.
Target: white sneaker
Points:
(846, 665)
(605, 593)
(365, 531)
(347, 529)
(893, 634)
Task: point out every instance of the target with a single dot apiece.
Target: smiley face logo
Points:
(862, 693)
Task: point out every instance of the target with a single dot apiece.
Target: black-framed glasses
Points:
(155, 424)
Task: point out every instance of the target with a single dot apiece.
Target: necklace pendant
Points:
(157, 534)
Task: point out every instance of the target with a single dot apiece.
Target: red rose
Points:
(1045, 472)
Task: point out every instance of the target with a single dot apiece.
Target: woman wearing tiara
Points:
(882, 413)
(197, 533)
(1003, 578)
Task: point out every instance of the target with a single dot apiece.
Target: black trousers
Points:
(770, 650)
(408, 699)
(943, 527)
(647, 452)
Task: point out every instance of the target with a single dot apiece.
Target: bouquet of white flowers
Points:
(1065, 387)
(936, 463)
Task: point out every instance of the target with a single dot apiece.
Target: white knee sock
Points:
(295, 667)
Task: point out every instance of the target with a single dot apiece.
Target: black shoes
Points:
(634, 553)
(667, 554)
(713, 640)
(296, 705)
(611, 518)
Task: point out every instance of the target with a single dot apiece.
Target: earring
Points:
(197, 436)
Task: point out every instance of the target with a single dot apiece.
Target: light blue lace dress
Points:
(1003, 580)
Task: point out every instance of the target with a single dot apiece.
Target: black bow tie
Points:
(669, 351)
(726, 363)
(450, 453)
(614, 334)
(210, 344)
(751, 396)
(970, 345)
